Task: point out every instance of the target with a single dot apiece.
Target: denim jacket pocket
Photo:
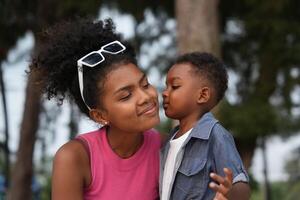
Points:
(191, 181)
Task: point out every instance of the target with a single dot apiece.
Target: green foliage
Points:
(279, 191)
(282, 190)
(294, 191)
(165, 126)
(262, 51)
(137, 7)
(46, 189)
(2, 164)
(249, 120)
(254, 185)
(292, 166)
(32, 15)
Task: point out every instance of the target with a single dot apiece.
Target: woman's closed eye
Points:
(146, 84)
(174, 87)
(125, 97)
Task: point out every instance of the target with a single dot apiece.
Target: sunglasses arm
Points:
(80, 81)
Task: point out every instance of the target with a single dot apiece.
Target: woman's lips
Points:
(151, 109)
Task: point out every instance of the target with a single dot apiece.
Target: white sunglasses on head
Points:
(94, 58)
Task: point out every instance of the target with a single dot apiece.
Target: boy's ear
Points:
(203, 95)
(99, 116)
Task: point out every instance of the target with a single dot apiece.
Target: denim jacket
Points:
(208, 148)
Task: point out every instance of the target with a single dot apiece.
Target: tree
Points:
(9, 35)
(261, 46)
(292, 167)
(198, 26)
(34, 16)
(4, 145)
(262, 51)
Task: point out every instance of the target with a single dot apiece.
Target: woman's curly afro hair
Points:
(58, 51)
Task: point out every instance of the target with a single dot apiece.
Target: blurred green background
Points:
(258, 41)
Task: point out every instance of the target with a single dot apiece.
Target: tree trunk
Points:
(74, 119)
(198, 26)
(6, 132)
(198, 30)
(267, 186)
(22, 172)
(246, 148)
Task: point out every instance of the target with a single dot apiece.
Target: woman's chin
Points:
(152, 123)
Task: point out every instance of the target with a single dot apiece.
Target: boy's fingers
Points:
(219, 196)
(217, 178)
(218, 188)
(228, 173)
(214, 187)
(225, 183)
(228, 178)
(221, 180)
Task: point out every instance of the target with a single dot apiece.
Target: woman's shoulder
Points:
(72, 152)
(154, 136)
(91, 134)
(71, 171)
(152, 133)
(162, 138)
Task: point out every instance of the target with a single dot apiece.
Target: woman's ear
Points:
(99, 116)
(204, 95)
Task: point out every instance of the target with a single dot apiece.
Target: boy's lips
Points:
(165, 105)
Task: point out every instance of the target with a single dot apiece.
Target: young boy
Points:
(199, 145)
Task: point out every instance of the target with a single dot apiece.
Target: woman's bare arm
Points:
(71, 172)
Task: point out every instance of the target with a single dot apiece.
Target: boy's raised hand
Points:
(225, 184)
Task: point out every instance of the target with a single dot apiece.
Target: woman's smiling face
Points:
(129, 102)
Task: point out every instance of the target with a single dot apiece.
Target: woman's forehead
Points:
(123, 76)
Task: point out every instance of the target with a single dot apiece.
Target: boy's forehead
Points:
(180, 67)
(183, 69)
(186, 72)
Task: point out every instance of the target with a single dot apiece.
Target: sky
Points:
(15, 79)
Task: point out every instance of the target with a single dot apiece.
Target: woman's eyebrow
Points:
(125, 88)
(143, 77)
(129, 87)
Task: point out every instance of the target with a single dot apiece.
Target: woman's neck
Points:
(124, 144)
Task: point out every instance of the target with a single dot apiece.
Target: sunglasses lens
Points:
(93, 59)
(114, 48)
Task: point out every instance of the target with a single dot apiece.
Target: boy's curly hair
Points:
(60, 48)
(208, 67)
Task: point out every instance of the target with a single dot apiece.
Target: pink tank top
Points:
(114, 178)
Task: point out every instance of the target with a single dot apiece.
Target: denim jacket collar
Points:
(202, 129)
(204, 126)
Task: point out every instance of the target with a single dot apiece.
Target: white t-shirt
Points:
(170, 164)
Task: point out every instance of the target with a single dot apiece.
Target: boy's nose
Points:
(165, 93)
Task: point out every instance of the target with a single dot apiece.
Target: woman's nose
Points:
(144, 97)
